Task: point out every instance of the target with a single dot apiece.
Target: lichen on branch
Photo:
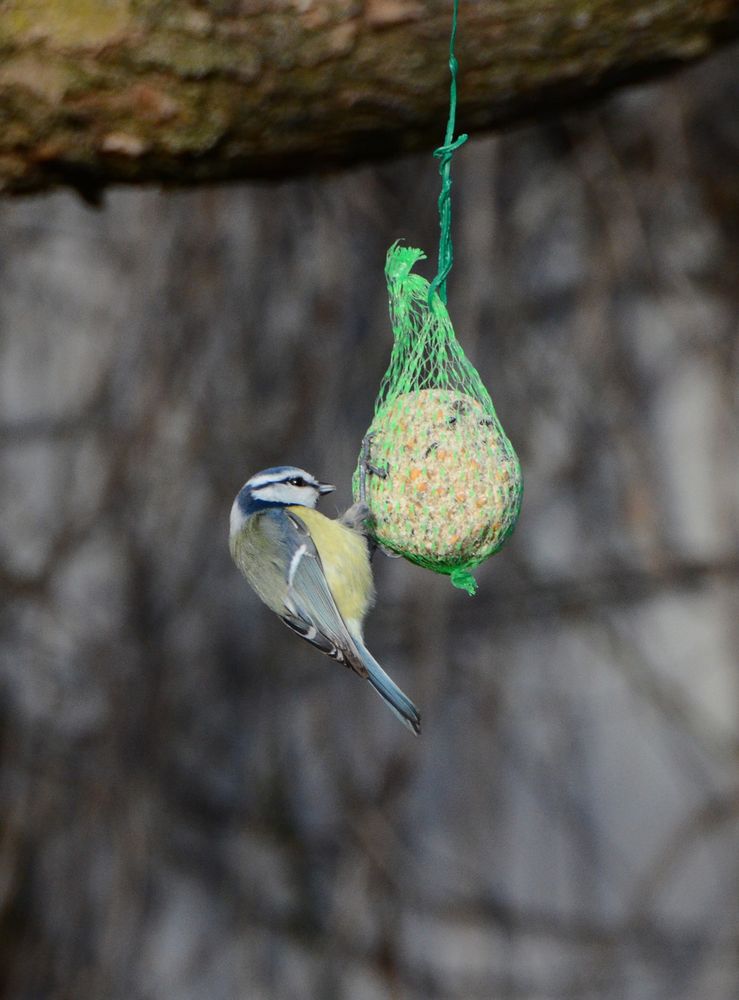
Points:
(138, 90)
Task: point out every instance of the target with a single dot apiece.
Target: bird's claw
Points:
(356, 516)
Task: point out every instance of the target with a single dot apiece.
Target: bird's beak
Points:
(325, 488)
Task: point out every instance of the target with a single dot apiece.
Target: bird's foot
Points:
(356, 516)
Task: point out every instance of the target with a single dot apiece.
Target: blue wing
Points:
(308, 608)
(308, 604)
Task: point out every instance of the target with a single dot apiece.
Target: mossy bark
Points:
(100, 91)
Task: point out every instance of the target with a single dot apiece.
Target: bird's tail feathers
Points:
(399, 703)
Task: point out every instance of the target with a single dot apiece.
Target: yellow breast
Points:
(345, 562)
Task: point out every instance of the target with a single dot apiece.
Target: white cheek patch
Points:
(284, 493)
(274, 493)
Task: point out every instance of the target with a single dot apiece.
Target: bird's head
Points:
(280, 486)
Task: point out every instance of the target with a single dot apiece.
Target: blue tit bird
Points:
(312, 571)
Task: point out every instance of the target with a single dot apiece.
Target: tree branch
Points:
(186, 92)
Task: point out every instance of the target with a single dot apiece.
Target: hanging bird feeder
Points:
(440, 477)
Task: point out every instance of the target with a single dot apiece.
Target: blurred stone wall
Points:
(194, 804)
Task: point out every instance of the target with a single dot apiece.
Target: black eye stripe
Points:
(299, 481)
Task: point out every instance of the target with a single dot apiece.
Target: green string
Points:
(444, 154)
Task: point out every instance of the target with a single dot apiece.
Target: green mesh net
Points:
(441, 478)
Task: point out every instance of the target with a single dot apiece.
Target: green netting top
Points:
(440, 476)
